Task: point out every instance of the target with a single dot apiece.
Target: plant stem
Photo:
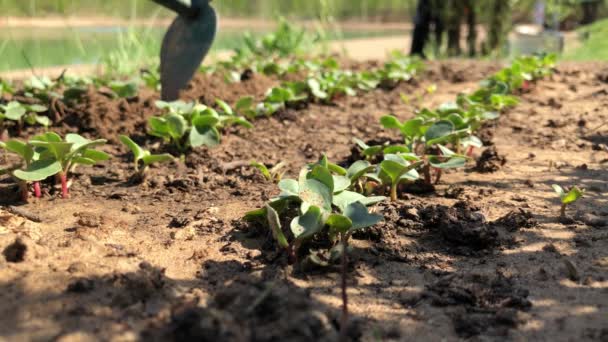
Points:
(427, 174)
(64, 185)
(562, 211)
(37, 191)
(344, 318)
(438, 173)
(470, 151)
(394, 191)
(24, 191)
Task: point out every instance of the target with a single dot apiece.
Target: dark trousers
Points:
(427, 12)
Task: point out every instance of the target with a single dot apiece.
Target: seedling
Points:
(35, 168)
(75, 150)
(5, 87)
(567, 197)
(274, 174)
(124, 89)
(22, 113)
(190, 125)
(319, 191)
(395, 169)
(279, 98)
(143, 157)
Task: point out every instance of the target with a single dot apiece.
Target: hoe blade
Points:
(184, 47)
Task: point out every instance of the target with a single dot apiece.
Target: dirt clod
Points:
(490, 161)
(15, 252)
(487, 303)
(462, 225)
(516, 219)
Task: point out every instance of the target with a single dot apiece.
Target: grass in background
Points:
(594, 43)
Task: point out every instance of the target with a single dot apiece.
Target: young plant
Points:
(74, 150)
(5, 87)
(322, 201)
(395, 169)
(279, 98)
(190, 125)
(124, 89)
(143, 158)
(567, 197)
(21, 113)
(34, 169)
(274, 174)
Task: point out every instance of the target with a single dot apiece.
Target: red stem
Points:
(37, 191)
(64, 186)
(470, 151)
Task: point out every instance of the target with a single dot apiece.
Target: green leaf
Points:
(275, 226)
(341, 183)
(204, 135)
(20, 148)
(438, 130)
(398, 168)
(343, 199)
(176, 126)
(138, 152)
(360, 216)
(203, 121)
(95, 155)
(14, 110)
(307, 225)
(79, 143)
(83, 161)
(224, 107)
(263, 169)
(158, 127)
(156, 158)
(42, 120)
(39, 170)
(390, 122)
(315, 193)
(323, 175)
(559, 190)
(573, 195)
(289, 187)
(395, 149)
(412, 128)
(452, 163)
(244, 103)
(338, 224)
(358, 169)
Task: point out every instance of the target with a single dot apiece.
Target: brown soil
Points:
(170, 259)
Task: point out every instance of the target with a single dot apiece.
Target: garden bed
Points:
(484, 254)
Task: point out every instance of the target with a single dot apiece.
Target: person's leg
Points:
(453, 15)
(438, 20)
(472, 29)
(421, 28)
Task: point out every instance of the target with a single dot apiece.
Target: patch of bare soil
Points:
(482, 255)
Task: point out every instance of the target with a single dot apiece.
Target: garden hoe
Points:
(186, 44)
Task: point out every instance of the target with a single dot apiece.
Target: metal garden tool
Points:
(186, 44)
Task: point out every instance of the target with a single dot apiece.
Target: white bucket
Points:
(529, 39)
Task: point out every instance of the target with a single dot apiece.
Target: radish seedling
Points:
(74, 150)
(567, 197)
(22, 113)
(190, 125)
(274, 174)
(36, 166)
(143, 157)
(395, 169)
(319, 191)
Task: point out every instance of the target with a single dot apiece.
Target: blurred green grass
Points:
(594, 43)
